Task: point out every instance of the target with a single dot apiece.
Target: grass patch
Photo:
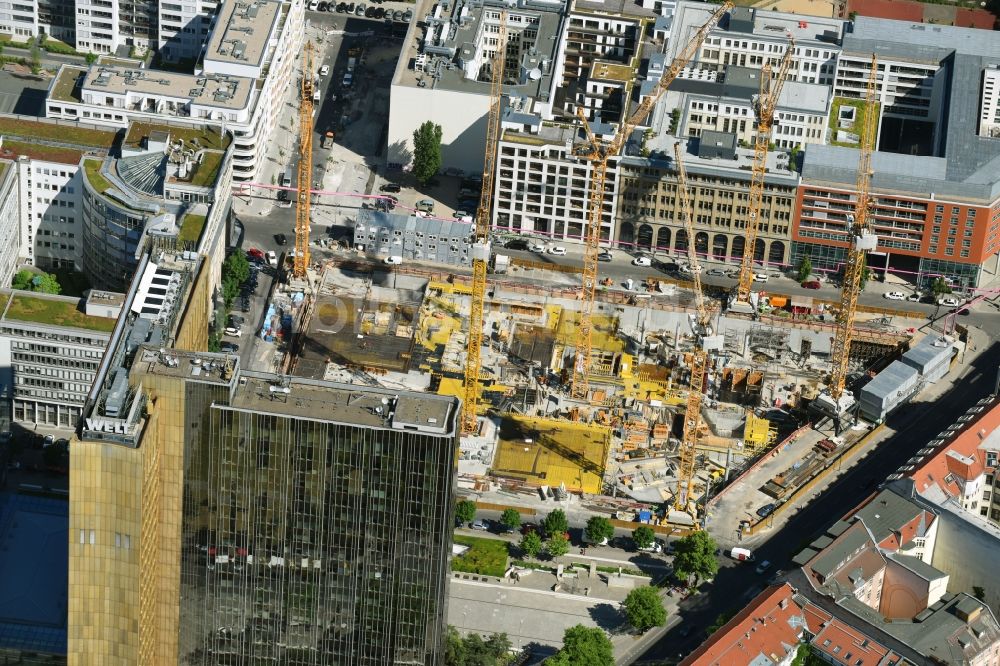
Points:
(57, 313)
(206, 138)
(487, 557)
(859, 119)
(93, 172)
(206, 172)
(67, 85)
(191, 228)
(65, 133)
(40, 151)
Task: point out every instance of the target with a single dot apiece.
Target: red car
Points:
(255, 253)
(811, 284)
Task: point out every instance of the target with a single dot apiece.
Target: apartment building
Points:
(448, 81)
(222, 504)
(249, 57)
(53, 345)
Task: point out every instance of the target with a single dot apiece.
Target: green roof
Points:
(191, 228)
(65, 133)
(56, 312)
(206, 173)
(209, 137)
(65, 88)
(93, 170)
(40, 151)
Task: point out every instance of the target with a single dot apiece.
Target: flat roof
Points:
(52, 310)
(207, 136)
(214, 90)
(345, 403)
(242, 31)
(197, 366)
(65, 87)
(57, 133)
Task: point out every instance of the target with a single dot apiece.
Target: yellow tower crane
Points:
(305, 167)
(699, 355)
(861, 239)
(767, 100)
(598, 153)
(481, 247)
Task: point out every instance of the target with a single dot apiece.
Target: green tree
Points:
(465, 511)
(644, 608)
(582, 645)
(36, 59)
(643, 536)
(695, 556)
(805, 268)
(426, 151)
(473, 650)
(939, 287)
(510, 519)
(91, 58)
(557, 545)
(555, 522)
(531, 544)
(45, 283)
(235, 271)
(598, 529)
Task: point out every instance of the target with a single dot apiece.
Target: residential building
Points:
(989, 105)
(53, 345)
(248, 59)
(936, 203)
(250, 516)
(413, 237)
(448, 80)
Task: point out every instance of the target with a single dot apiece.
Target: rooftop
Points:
(200, 366)
(57, 133)
(449, 41)
(889, 514)
(345, 403)
(242, 31)
(207, 90)
(54, 311)
(65, 87)
(211, 137)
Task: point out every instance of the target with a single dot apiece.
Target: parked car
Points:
(272, 259)
(390, 187)
(557, 250)
(604, 256)
(894, 295)
(537, 247)
(760, 277)
(915, 297)
(229, 347)
(360, 11)
(949, 301)
(233, 332)
(642, 261)
(811, 284)
(281, 239)
(459, 214)
(517, 244)
(480, 524)
(324, 70)
(717, 272)
(254, 253)
(763, 567)
(656, 547)
(765, 510)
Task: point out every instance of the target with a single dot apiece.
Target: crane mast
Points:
(303, 194)
(699, 356)
(861, 239)
(767, 100)
(481, 247)
(598, 153)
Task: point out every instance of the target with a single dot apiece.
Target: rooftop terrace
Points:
(206, 136)
(241, 32)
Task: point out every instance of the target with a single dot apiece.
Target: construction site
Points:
(657, 393)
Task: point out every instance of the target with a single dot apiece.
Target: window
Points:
(93, 537)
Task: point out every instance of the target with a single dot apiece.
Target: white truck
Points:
(741, 554)
(501, 263)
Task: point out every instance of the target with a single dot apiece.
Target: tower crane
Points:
(305, 167)
(481, 246)
(598, 153)
(767, 100)
(699, 355)
(861, 239)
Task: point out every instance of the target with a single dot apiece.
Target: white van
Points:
(394, 260)
(741, 554)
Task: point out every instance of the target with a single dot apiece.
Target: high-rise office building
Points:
(222, 516)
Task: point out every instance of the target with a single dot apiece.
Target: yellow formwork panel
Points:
(551, 452)
(604, 336)
(453, 388)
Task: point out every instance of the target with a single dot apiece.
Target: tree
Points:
(557, 545)
(695, 556)
(583, 645)
(235, 271)
(465, 511)
(510, 519)
(45, 283)
(426, 151)
(472, 650)
(979, 592)
(805, 268)
(599, 528)
(644, 608)
(643, 536)
(531, 544)
(720, 621)
(36, 59)
(555, 522)
(939, 287)
(91, 58)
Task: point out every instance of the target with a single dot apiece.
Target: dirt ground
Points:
(826, 8)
